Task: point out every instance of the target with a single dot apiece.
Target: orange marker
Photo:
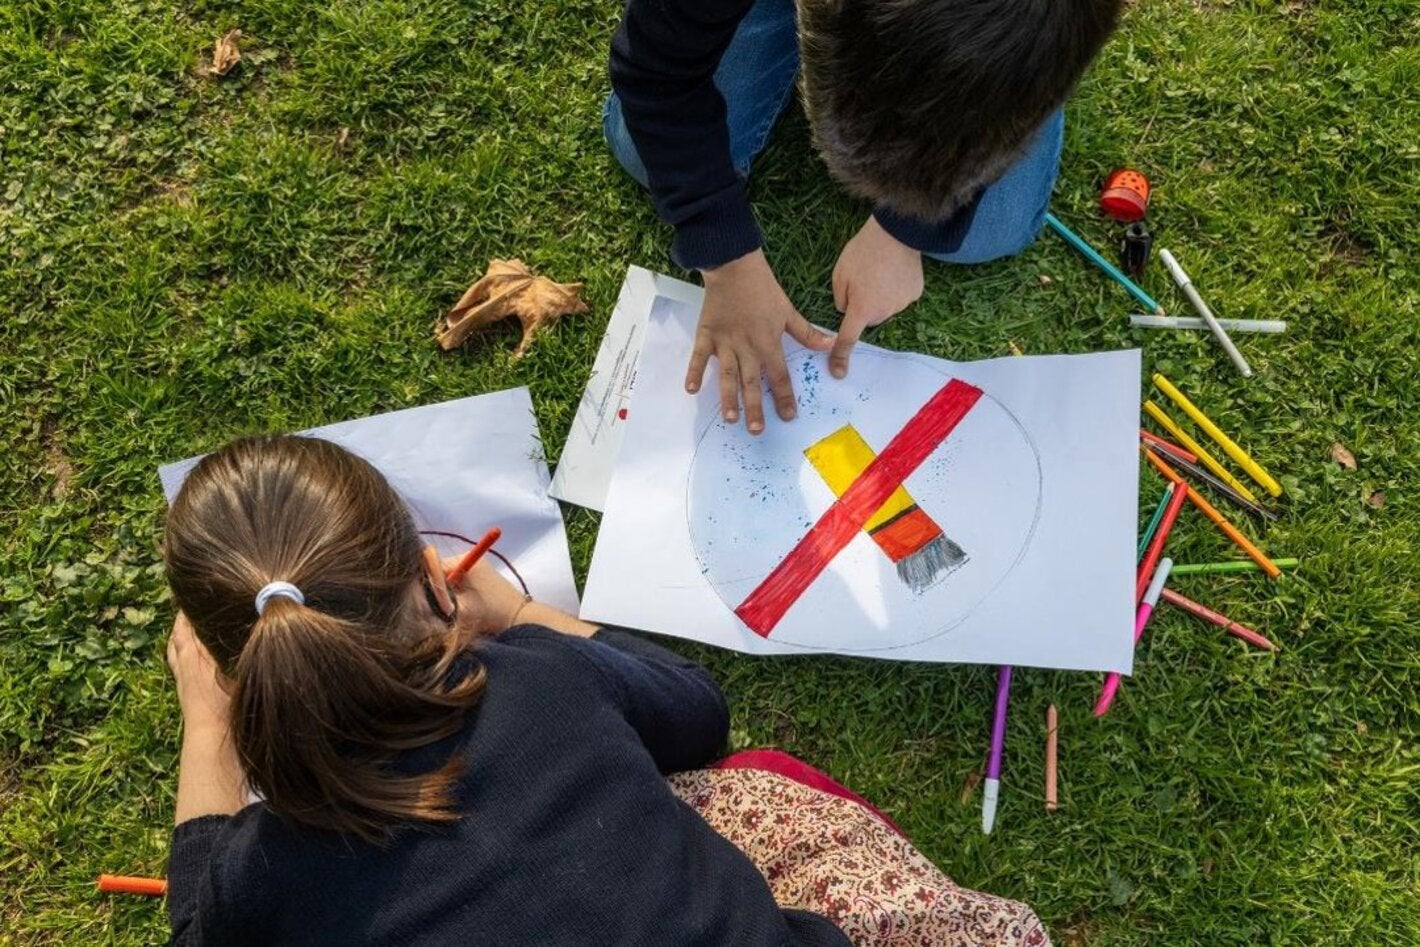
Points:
(1206, 508)
(471, 558)
(126, 884)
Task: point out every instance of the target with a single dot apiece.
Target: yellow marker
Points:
(1192, 446)
(1239, 456)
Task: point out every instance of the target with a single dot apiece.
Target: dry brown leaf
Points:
(508, 289)
(1376, 500)
(1043, 280)
(968, 788)
(226, 53)
(1343, 456)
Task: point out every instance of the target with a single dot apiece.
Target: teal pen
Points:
(1154, 520)
(1091, 254)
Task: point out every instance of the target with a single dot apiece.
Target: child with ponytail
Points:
(435, 765)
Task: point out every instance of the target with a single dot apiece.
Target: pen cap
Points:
(1156, 584)
(1179, 276)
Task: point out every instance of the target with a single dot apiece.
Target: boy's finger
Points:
(807, 334)
(729, 387)
(848, 334)
(782, 388)
(699, 356)
(753, 388)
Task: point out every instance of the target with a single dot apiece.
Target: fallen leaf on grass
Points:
(1043, 280)
(226, 53)
(1343, 456)
(968, 788)
(1376, 500)
(509, 290)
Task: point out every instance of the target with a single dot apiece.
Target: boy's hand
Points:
(202, 691)
(487, 601)
(876, 277)
(744, 316)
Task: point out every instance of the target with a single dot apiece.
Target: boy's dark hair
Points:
(917, 104)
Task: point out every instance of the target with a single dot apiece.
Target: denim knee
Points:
(618, 139)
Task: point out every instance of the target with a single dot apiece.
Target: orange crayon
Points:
(127, 884)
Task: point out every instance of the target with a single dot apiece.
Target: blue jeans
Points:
(756, 77)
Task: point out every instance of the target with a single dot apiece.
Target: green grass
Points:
(184, 259)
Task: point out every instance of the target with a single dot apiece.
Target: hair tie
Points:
(277, 590)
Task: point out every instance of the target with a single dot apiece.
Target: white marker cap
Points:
(1156, 584)
(988, 805)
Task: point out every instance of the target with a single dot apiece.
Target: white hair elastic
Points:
(277, 590)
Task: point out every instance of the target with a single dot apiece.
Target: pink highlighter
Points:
(1141, 618)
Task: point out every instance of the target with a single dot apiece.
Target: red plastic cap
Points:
(1126, 195)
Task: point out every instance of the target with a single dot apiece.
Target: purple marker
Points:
(998, 744)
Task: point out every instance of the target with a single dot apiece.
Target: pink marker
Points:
(1141, 618)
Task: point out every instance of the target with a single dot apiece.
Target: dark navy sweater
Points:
(663, 61)
(571, 835)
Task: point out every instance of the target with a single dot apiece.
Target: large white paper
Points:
(1037, 484)
(584, 470)
(463, 466)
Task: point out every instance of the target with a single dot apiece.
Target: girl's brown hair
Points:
(325, 694)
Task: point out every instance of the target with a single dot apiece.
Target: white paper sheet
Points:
(584, 470)
(1037, 484)
(463, 466)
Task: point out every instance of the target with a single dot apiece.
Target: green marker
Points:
(1237, 565)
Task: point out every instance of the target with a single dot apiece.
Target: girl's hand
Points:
(488, 602)
(202, 690)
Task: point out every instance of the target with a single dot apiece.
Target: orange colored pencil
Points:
(1206, 508)
(1168, 445)
(1213, 618)
(471, 558)
(127, 884)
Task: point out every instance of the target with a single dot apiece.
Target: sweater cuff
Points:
(929, 236)
(188, 864)
(721, 230)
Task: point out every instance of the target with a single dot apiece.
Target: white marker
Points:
(1142, 321)
(1186, 284)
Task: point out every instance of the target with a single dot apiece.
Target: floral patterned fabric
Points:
(825, 853)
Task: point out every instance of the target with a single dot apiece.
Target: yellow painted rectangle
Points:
(840, 458)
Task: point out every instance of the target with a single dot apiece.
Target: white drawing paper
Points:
(463, 466)
(583, 472)
(1035, 487)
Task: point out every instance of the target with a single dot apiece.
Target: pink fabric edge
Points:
(790, 767)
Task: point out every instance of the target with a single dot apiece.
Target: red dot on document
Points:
(621, 414)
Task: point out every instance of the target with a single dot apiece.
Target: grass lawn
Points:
(184, 259)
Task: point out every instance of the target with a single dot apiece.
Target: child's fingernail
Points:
(732, 416)
(837, 371)
(755, 427)
(692, 387)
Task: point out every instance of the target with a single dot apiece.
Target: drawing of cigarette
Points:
(910, 538)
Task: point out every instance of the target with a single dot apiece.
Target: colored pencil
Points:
(127, 884)
(1222, 621)
(992, 791)
(1167, 445)
(1052, 751)
(1206, 508)
(1141, 619)
(1237, 565)
(1219, 333)
(1206, 459)
(1240, 457)
(1227, 492)
(1148, 533)
(471, 557)
(1091, 254)
(1156, 545)
(1270, 326)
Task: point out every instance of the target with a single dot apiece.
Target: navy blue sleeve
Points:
(663, 61)
(190, 881)
(929, 236)
(672, 703)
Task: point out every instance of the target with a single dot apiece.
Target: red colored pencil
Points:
(126, 884)
(1167, 445)
(1156, 545)
(1213, 618)
(471, 558)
